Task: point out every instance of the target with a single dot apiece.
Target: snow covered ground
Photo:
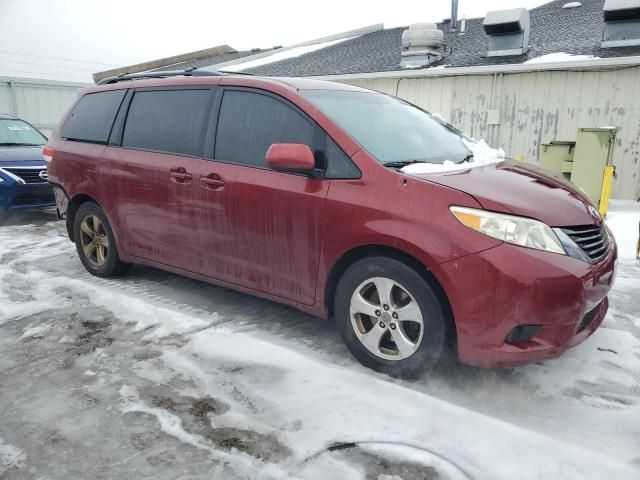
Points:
(157, 376)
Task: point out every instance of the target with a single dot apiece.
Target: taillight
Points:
(47, 154)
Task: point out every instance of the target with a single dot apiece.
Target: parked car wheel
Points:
(390, 318)
(95, 242)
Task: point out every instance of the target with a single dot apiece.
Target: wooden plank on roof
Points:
(164, 62)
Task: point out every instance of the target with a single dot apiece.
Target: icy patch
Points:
(623, 219)
(440, 427)
(483, 154)
(10, 457)
(171, 424)
(561, 57)
(285, 55)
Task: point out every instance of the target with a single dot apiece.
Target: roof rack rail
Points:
(190, 72)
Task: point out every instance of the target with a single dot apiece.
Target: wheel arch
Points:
(374, 250)
(72, 209)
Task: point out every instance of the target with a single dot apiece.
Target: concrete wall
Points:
(535, 108)
(40, 102)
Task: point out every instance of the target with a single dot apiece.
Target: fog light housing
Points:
(522, 333)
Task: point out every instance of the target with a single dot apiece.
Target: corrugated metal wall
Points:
(535, 108)
(40, 102)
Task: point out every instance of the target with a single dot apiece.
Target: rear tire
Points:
(401, 331)
(95, 242)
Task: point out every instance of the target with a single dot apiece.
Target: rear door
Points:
(152, 174)
(260, 229)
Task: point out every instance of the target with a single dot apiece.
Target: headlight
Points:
(509, 228)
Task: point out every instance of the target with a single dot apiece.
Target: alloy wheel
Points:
(94, 240)
(386, 318)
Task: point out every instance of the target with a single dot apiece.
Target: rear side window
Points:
(92, 117)
(168, 121)
(250, 123)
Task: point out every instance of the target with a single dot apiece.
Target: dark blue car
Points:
(23, 172)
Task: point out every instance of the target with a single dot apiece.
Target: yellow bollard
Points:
(605, 194)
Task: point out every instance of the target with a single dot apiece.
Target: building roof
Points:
(575, 31)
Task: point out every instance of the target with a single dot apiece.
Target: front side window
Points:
(249, 123)
(18, 133)
(391, 130)
(92, 117)
(168, 121)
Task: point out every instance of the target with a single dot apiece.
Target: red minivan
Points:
(322, 196)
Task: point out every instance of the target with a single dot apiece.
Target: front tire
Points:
(95, 242)
(390, 318)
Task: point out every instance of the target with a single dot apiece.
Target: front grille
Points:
(29, 175)
(593, 240)
(37, 196)
(588, 317)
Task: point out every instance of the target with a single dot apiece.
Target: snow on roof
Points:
(284, 55)
(572, 5)
(560, 57)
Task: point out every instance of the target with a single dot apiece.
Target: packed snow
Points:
(622, 217)
(286, 54)
(483, 155)
(560, 57)
(158, 376)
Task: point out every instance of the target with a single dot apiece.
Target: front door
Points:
(261, 229)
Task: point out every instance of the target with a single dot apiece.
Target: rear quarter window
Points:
(92, 117)
(170, 121)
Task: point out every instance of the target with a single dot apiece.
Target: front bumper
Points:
(16, 194)
(501, 288)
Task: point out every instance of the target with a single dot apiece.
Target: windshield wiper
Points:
(17, 144)
(401, 163)
(468, 158)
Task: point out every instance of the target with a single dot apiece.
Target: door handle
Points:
(212, 181)
(180, 175)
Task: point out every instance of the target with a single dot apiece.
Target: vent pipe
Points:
(621, 23)
(453, 26)
(420, 44)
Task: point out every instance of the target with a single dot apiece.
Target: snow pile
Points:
(284, 55)
(483, 154)
(560, 57)
(39, 331)
(10, 456)
(623, 220)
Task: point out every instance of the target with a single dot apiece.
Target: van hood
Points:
(524, 190)
(21, 156)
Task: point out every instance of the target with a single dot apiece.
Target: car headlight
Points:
(522, 231)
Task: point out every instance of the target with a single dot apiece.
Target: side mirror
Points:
(291, 157)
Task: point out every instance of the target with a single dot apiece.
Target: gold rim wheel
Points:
(94, 240)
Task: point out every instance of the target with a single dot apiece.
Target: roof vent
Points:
(419, 43)
(621, 23)
(508, 32)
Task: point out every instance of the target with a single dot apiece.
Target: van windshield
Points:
(19, 133)
(396, 133)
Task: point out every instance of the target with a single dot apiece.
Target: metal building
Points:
(521, 108)
(40, 102)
